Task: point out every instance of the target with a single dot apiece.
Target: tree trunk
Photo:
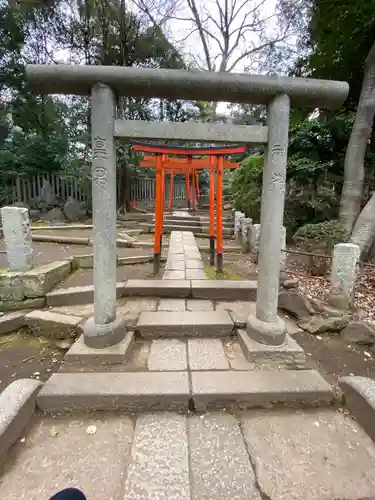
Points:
(364, 229)
(351, 195)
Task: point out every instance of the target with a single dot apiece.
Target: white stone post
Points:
(235, 217)
(254, 242)
(17, 237)
(343, 274)
(104, 329)
(266, 327)
(246, 230)
(238, 216)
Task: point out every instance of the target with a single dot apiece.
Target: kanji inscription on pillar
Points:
(278, 180)
(100, 153)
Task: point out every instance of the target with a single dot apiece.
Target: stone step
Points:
(263, 388)
(162, 324)
(133, 392)
(170, 390)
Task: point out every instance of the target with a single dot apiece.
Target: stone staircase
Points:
(195, 356)
(187, 407)
(183, 221)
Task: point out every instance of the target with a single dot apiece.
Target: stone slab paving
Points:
(199, 305)
(184, 259)
(159, 467)
(207, 354)
(220, 465)
(167, 355)
(58, 453)
(316, 455)
(172, 305)
(250, 455)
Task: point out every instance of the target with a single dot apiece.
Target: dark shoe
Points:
(69, 494)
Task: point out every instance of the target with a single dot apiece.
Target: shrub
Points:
(247, 186)
(320, 238)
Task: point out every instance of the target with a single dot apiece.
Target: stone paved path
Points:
(184, 259)
(273, 454)
(251, 455)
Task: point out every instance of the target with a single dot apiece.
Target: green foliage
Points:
(341, 39)
(320, 238)
(315, 169)
(247, 186)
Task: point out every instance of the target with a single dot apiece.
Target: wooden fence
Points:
(25, 189)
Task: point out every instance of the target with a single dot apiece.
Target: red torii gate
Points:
(162, 162)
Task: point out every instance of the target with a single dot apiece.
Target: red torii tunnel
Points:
(164, 160)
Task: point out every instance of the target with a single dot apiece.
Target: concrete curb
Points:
(61, 239)
(62, 227)
(17, 405)
(359, 394)
(71, 240)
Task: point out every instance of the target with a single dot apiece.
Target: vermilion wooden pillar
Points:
(219, 215)
(158, 215)
(162, 200)
(194, 200)
(171, 189)
(212, 211)
(197, 184)
(187, 181)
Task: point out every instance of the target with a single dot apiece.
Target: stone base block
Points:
(17, 405)
(263, 388)
(52, 325)
(131, 392)
(266, 333)
(80, 353)
(185, 324)
(290, 355)
(103, 336)
(40, 280)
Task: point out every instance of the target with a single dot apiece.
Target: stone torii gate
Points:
(105, 83)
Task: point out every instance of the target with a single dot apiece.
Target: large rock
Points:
(321, 307)
(293, 302)
(35, 214)
(358, 332)
(74, 210)
(47, 194)
(319, 324)
(54, 214)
